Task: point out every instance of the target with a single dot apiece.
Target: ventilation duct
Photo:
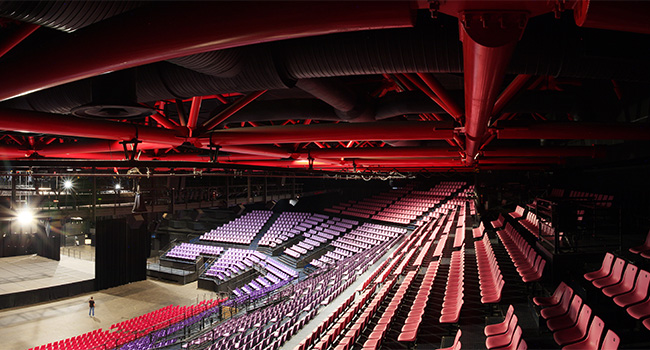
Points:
(66, 16)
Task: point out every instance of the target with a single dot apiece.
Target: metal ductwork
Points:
(222, 63)
(67, 16)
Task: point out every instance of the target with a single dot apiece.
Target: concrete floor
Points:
(30, 326)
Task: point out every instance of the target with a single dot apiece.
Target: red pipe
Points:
(413, 79)
(628, 16)
(264, 151)
(488, 43)
(384, 152)
(16, 37)
(65, 125)
(135, 38)
(232, 109)
(440, 90)
(164, 121)
(575, 131)
(516, 85)
(194, 113)
(334, 133)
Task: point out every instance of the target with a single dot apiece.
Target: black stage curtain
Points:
(122, 247)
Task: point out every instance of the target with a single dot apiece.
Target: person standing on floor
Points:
(91, 303)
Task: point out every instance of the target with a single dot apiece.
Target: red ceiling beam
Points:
(334, 133)
(231, 109)
(628, 16)
(423, 87)
(573, 130)
(164, 121)
(438, 89)
(134, 39)
(516, 85)
(488, 40)
(16, 36)
(394, 152)
(194, 113)
(65, 125)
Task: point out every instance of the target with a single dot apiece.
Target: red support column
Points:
(194, 113)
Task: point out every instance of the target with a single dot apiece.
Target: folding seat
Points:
(536, 274)
(578, 331)
(514, 343)
(640, 310)
(501, 340)
(611, 341)
(561, 308)
(604, 270)
(501, 327)
(613, 278)
(642, 248)
(592, 341)
(625, 285)
(567, 320)
(553, 299)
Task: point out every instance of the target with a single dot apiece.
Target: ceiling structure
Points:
(407, 86)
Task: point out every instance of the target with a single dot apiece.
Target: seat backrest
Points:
(608, 261)
(576, 303)
(566, 299)
(629, 276)
(595, 332)
(642, 283)
(559, 290)
(617, 269)
(522, 345)
(509, 313)
(583, 319)
(611, 341)
(540, 268)
(517, 336)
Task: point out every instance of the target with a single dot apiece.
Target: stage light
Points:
(67, 184)
(25, 216)
(118, 187)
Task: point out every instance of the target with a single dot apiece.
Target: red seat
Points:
(456, 345)
(614, 277)
(642, 248)
(567, 320)
(639, 311)
(514, 343)
(501, 327)
(592, 341)
(578, 331)
(553, 299)
(522, 345)
(604, 270)
(536, 274)
(501, 340)
(561, 308)
(626, 284)
(636, 295)
(611, 341)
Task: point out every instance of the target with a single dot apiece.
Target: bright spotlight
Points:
(25, 216)
(118, 187)
(67, 184)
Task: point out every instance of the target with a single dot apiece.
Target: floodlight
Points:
(67, 184)
(118, 187)
(25, 216)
